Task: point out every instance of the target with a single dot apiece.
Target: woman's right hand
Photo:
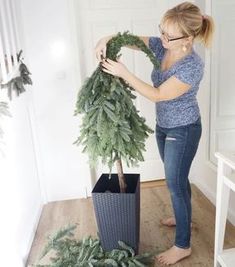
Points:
(100, 48)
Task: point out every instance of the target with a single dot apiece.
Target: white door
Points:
(222, 134)
(98, 18)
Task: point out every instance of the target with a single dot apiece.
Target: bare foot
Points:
(173, 255)
(170, 222)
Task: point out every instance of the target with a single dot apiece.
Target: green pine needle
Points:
(112, 128)
(70, 252)
(18, 83)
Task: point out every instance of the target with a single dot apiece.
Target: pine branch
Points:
(88, 252)
(18, 83)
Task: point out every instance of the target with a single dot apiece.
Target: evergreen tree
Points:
(112, 128)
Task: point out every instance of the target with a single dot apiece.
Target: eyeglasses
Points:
(166, 37)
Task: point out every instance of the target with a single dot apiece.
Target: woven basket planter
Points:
(117, 214)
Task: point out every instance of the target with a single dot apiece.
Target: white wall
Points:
(50, 41)
(20, 191)
(204, 172)
(41, 164)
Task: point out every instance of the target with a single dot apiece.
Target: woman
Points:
(178, 128)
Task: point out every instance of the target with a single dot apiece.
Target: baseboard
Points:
(32, 235)
(212, 197)
(153, 183)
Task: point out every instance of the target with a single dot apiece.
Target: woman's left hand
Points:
(115, 68)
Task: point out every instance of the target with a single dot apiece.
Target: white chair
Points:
(225, 183)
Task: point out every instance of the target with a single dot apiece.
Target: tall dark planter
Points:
(117, 214)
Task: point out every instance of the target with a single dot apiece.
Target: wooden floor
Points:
(155, 204)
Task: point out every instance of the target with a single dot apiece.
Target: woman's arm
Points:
(170, 89)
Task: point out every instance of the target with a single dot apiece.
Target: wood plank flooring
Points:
(155, 204)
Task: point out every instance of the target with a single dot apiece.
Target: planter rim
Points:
(106, 185)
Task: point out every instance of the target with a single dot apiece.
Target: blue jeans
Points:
(177, 147)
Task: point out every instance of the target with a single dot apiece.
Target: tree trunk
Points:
(121, 177)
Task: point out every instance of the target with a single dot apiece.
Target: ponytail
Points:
(207, 30)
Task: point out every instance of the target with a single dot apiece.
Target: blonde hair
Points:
(191, 22)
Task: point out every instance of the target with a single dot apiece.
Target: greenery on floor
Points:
(88, 252)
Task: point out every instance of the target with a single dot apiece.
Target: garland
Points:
(17, 83)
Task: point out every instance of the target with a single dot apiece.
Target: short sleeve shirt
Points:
(184, 109)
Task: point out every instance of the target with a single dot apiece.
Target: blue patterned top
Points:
(184, 109)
